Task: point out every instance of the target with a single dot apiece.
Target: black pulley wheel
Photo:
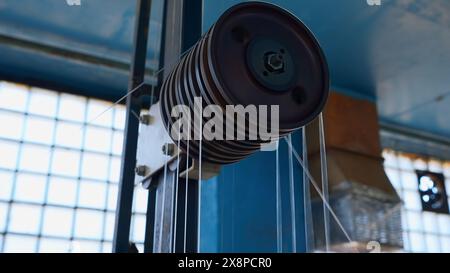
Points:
(256, 54)
(247, 79)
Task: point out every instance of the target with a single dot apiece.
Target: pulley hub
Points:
(271, 65)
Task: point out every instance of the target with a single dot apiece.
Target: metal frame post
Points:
(133, 104)
(181, 29)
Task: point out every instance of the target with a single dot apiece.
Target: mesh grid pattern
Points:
(59, 172)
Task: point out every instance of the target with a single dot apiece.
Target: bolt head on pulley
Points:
(271, 65)
(274, 62)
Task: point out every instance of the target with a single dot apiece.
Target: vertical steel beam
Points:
(150, 221)
(182, 29)
(126, 186)
(165, 193)
(192, 31)
(192, 216)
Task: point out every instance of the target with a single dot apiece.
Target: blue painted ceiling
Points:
(86, 48)
(397, 54)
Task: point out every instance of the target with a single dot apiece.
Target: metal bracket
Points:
(209, 170)
(154, 140)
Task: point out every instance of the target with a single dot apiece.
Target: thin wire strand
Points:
(306, 197)
(171, 228)
(199, 181)
(130, 92)
(278, 202)
(176, 192)
(292, 195)
(317, 188)
(174, 61)
(324, 177)
(163, 203)
(186, 186)
(436, 99)
(135, 114)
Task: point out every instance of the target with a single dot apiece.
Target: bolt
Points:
(146, 119)
(274, 62)
(168, 149)
(141, 170)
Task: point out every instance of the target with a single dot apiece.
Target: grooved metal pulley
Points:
(255, 54)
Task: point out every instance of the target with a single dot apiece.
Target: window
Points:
(432, 192)
(423, 230)
(62, 216)
(59, 172)
(30, 188)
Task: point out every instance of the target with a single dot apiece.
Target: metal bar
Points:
(278, 205)
(164, 220)
(413, 141)
(192, 217)
(192, 29)
(54, 51)
(180, 215)
(173, 34)
(149, 241)
(181, 29)
(149, 221)
(192, 23)
(126, 186)
(165, 194)
(414, 133)
(187, 213)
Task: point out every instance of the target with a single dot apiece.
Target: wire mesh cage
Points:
(366, 213)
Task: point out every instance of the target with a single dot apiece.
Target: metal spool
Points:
(256, 54)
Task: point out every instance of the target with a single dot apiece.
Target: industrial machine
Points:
(202, 190)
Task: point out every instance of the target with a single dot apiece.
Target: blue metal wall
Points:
(239, 206)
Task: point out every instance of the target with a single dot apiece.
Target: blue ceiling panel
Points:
(397, 53)
(86, 48)
(42, 69)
